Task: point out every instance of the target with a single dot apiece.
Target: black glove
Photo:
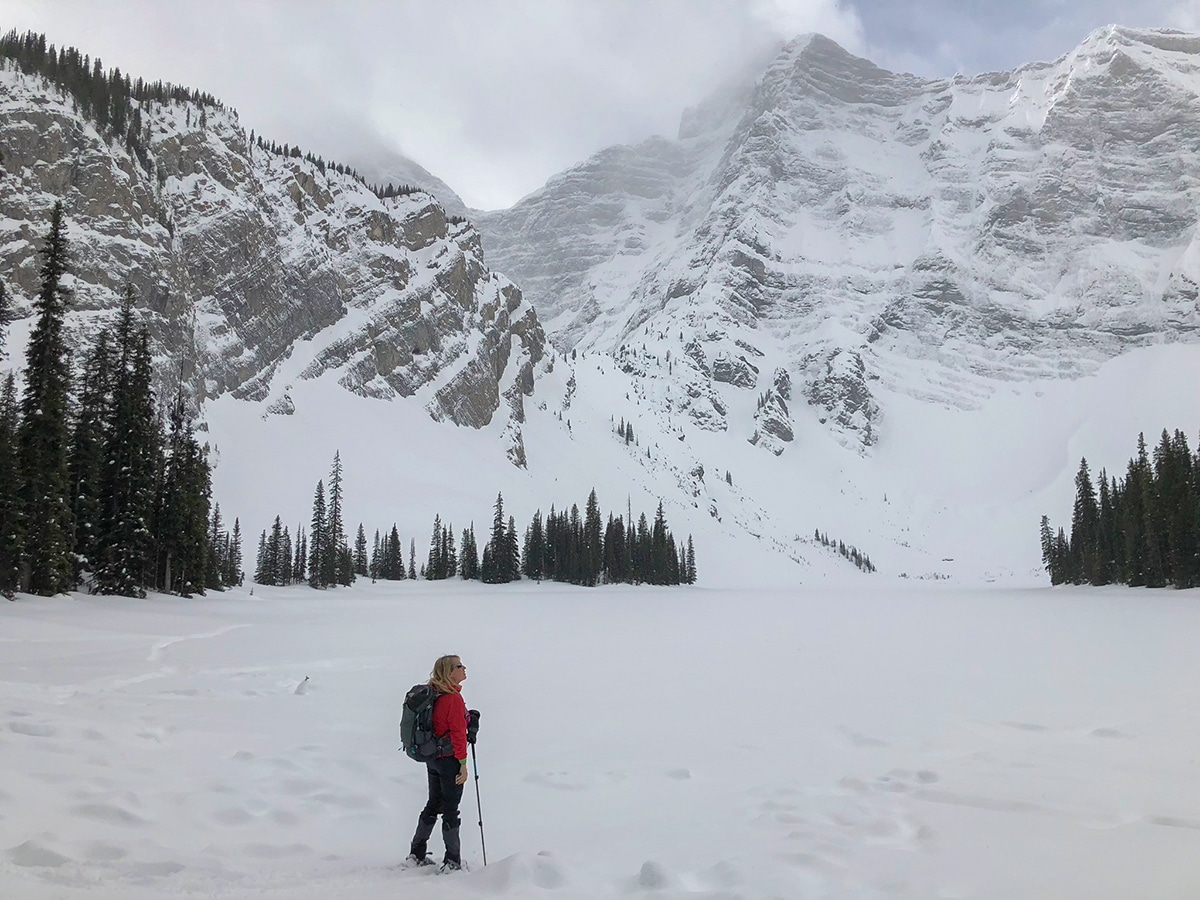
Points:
(472, 725)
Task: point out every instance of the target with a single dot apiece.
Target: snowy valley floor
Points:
(874, 740)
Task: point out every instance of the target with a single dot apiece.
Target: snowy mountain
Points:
(833, 228)
(382, 167)
(891, 311)
(244, 256)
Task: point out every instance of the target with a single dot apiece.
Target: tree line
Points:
(103, 96)
(111, 100)
(566, 546)
(563, 546)
(319, 556)
(848, 551)
(101, 487)
(1142, 530)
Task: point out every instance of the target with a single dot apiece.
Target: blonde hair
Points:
(439, 678)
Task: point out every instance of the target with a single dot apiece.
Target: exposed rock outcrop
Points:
(243, 258)
(850, 223)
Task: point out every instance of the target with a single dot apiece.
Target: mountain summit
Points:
(850, 227)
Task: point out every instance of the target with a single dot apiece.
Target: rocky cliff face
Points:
(860, 229)
(242, 257)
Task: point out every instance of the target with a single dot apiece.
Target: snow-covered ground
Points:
(879, 741)
(947, 493)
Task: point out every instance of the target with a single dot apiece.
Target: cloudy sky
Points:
(493, 97)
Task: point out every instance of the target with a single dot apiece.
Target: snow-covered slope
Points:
(855, 232)
(953, 494)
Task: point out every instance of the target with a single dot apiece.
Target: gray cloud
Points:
(495, 97)
(940, 37)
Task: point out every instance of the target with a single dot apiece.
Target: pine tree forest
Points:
(1142, 530)
(567, 546)
(102, 488)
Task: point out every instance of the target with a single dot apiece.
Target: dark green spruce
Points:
(1141, 531)
(44, 434)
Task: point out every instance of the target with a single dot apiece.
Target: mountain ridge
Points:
(772, 300)
(239, 253)
(852, 221)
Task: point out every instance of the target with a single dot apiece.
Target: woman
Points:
(448, 773)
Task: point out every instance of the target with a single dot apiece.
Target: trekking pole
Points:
(482, 843)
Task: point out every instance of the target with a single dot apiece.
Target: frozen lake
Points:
(887, 740)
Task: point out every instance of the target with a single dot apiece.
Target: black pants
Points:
(444, 798)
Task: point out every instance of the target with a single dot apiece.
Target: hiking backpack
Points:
(417, 739)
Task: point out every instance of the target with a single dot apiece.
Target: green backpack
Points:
(417, 739)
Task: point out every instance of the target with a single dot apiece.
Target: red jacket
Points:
(450, 717)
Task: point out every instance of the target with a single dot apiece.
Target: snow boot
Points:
(420, 842)
(453, 859)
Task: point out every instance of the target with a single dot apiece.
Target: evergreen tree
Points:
(616, 568)
(1055, 565)
(535, 550)
(1173, 475)
(550, 546)
(43, 436)
(233, 559)
(317, 542)
(641, 554)
(1085, 526)
(487, 568)
(1106, 529)
(659, 558)
(278, 555)
(1138, 484)
(86, 460)
(449, 553)
(511, 564)
(387, 559)
(492, 570)
(360, 551)
(132, 457)
(395, 556)
(335, 571)
(261, 569)
(183, 508)
(592, 557)
(470, 555)
(376, 559)
(1157, 550)
(11, 528)
(217, 565)
(690, 562)
(412, 558)
(435, 566)
(570, 549)
(300, 556)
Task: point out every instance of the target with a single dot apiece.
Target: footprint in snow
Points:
(1112, 734)
(108, 813)
(559, 781)
(34, 855)
(32, 729)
